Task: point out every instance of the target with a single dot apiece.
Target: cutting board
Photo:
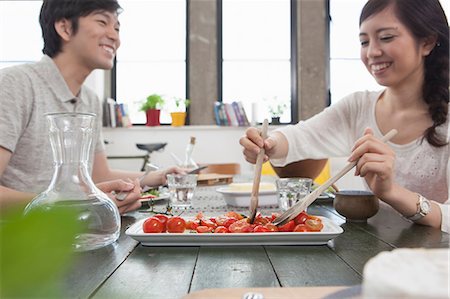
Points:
(210, 179)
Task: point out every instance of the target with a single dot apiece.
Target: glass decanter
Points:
(71, 185)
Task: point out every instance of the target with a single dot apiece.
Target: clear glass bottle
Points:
(71, 185)
(189, 163)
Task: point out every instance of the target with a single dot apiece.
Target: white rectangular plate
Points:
(329, 231)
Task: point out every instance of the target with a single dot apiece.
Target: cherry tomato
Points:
(271, 227)
(240, 226)
(192, 224)
(274, 216)
(209, 223)
(261, 220)
(221, 230)
(261, 229)
(163, 218)
(225, 221)
(204, 229)
(176, 224)
(300, 228)
(314, 225)
(301, 218)
(153, 225)
(234, 215)
(288, 227)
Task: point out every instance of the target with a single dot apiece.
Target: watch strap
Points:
(420, 212)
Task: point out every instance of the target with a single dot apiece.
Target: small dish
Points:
(356, 206)
(159, 198)
(239, 194)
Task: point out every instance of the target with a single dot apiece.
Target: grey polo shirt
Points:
(27, 92)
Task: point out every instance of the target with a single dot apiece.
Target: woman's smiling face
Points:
(389, 50)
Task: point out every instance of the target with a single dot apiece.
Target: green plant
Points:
(182, 104)
(277, 109)
(153, 101)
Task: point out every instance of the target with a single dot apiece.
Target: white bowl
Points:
(239, 194)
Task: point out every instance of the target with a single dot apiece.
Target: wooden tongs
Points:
(257, 176)
(296, 209)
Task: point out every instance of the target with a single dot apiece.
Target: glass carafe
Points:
(71, 186)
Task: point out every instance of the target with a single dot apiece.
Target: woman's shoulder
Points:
(363, 95)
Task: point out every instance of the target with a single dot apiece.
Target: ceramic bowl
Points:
(356, 206)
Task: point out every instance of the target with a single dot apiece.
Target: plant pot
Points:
(152, 117)
(275, 121)
(178, 119)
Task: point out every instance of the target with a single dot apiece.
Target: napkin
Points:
(408, 273)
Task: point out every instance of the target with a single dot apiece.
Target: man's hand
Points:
(131, 202)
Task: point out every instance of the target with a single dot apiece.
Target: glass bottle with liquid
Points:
(71, 186)
(189, 163)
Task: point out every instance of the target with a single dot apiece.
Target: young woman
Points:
(405, 47)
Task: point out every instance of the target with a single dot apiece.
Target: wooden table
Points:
(129, 270)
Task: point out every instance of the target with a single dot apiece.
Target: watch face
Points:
(425, 206)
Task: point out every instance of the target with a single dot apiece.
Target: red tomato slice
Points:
(209, 223)
(176, 224)
(271, 227)
(300, 228)
(234, 215)
(314, 225)
(152, 225)
(221, 230)
(301, 218)
(240, 226)
(261, 220)
(204, 229)
(225, 221)
(192, 224)
(163, 218)
(288, 227)
(261, 229)
(148, 196)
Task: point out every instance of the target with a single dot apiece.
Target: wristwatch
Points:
(423, 208)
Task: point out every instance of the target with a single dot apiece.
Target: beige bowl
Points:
(356, 206)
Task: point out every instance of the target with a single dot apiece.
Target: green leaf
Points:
(35, 250)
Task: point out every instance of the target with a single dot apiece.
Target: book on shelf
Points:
(114, 114)
(230, 114)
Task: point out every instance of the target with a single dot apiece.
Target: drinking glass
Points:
(292, 190)
(181, 189)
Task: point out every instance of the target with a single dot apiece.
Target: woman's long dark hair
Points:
(425, 18)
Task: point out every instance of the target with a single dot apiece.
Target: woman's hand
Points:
(376, 163)
(252, 143)
(131, 201)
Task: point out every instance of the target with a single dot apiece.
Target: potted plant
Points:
(179, 113)
(152, 107)
(276, 109)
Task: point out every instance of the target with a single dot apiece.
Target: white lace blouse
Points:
(419, 167)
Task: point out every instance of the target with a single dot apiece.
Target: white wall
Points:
(213, 145)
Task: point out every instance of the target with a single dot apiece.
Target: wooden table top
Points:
(128, 269)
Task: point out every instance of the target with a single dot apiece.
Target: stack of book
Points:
(230, 114)
(115, 115)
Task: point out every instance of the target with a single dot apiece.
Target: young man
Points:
(79, 37)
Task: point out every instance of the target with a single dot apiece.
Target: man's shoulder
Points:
(16, 72)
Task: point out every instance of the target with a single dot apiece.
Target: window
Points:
(345, 47)
(152, 56)
(20, 32)
(256, 52)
